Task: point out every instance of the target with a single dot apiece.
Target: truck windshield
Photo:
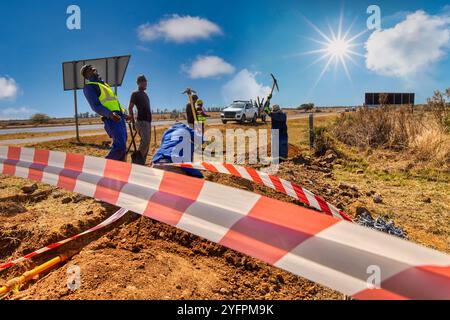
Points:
(237, 105)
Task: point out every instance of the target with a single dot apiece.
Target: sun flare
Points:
(337, 47)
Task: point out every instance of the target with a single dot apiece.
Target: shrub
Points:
(440, 108)
(382, 127)
(40, 118)
(322, 141)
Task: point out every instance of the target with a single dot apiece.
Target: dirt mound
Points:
(144, 259)
(136, 258)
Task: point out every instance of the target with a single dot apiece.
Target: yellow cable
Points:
(28, 275)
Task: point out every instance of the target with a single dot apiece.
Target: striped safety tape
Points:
(341, 255)
(281, 185)
(113, 218)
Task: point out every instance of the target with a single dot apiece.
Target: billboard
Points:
(393, 98)
(112, 70)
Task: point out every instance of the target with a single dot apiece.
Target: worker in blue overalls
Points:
(177, 146)
(104, 101)
(278, 122)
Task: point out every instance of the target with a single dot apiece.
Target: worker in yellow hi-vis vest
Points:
(103, 101)
(201, 115)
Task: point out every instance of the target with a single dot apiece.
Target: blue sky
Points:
(233, 48)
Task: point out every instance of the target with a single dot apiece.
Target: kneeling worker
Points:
(103, 101)
(177, 146)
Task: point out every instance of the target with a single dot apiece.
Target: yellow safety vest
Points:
(108, 98)
(200, 117)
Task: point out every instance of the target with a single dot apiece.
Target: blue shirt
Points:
(278, 120)
(92, 93)
(171, 139)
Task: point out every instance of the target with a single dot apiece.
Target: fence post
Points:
(311, 130)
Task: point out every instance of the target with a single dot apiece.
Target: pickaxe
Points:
(189, 93)
(275, 84)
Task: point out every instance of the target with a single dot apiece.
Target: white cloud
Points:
(179, 29)
(16, 113)
(244, 87)
(208, 66)
(8, 88)
(410, 47)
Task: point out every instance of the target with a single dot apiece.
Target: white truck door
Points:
(248, 111)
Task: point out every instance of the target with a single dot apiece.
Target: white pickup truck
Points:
(240, 111)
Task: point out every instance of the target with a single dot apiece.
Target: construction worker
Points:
(189, 115)
(143, 124)
(201, 115)
(103, 101)
(279, 122)
(177, 146)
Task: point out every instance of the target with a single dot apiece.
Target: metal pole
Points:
(116, 74)
(76, 114)
(311, 130)
(75, 82)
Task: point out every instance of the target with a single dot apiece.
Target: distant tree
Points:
(306, 106)
(39, 118)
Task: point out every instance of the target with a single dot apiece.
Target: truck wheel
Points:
(254, 118)
(224, 121)
(243, 119)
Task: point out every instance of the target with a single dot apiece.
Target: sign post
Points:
(111, 69)
(76, 103)
(311, 130)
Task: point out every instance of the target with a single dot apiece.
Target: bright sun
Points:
(337, 47)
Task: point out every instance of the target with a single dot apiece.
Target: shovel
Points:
(136, 155)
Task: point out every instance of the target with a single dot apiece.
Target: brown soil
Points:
(136, 258)
(139, 258)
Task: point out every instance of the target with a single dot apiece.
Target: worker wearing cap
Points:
(103, 101)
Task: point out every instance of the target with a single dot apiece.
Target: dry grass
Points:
(431, 145)
(392, 128)
(27, 135)
(419, 135)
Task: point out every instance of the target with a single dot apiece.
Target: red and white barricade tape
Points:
(281, 185)
(113, 218)
(335, 253)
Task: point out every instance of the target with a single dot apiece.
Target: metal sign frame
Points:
(393, 98)
(75, 82)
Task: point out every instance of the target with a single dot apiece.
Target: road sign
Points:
(111, 69)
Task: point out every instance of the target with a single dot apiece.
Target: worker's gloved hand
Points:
(115, 117)
(269, 96)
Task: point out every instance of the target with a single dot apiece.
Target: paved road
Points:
(66, 128)
(100, 127)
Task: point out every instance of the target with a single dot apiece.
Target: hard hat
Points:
(200, 102)
(84, 69)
